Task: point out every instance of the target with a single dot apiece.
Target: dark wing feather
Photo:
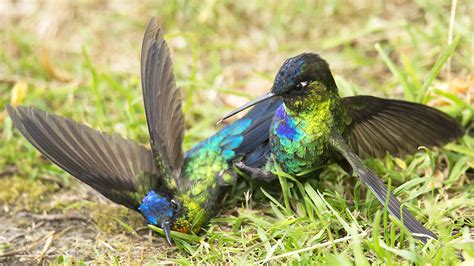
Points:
(258, 156)
(119, 169)
(399, 127)
(162, 99)
(375, 184)
(255, 146)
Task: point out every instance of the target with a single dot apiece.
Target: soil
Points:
(44, 222)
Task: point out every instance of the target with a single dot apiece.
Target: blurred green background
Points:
(80, 59)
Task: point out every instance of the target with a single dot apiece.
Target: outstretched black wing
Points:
(162, 99)
(119, 169)
(399, 127)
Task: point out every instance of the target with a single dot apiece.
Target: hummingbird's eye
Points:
(174, 205)
(300, 86)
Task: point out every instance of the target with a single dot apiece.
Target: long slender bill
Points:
(247, 105)
(166, 226)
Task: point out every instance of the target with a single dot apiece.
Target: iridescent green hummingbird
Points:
(313, 126)
(172, 190)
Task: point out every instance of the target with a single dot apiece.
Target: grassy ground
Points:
(82, 61)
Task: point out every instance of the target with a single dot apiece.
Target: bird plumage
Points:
(120, 169)
(162, 100)
(313, 126)
(398, 127)
(171, 189)
(308, 126)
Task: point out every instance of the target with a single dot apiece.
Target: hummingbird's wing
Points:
(376, 185)
(254, 147)
(399, 127)
(119, 169)
(162, 100)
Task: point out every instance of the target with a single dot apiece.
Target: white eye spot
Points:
(174, 204)
(303, 83)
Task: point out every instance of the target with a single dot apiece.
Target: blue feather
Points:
(155, 208)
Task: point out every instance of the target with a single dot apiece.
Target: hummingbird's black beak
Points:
(247, 105)
(166, 226)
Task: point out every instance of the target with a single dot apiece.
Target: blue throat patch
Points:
(155, 208)
(286, 128)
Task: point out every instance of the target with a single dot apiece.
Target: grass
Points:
(82, 61)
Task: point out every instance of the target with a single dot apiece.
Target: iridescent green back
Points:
(206, 170)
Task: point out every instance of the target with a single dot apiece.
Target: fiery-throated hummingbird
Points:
(313, 126)
(170, 189)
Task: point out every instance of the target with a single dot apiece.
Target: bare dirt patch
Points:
(42, 222)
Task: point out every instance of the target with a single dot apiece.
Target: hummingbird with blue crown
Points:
(171, 189)
(313, 126)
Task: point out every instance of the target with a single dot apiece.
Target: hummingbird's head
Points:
(297, 73)
(299, 78)
(163, 211)
(303, 79)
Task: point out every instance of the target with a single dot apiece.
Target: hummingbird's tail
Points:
(119, 169)
(376, 185)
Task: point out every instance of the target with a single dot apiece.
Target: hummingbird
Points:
(313, 126)
(171, 189)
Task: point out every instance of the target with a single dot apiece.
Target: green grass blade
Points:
(422, 94)
(399, 75)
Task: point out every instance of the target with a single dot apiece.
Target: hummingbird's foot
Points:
(256, 173)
